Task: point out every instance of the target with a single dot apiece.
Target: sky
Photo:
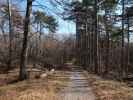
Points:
(65, 27)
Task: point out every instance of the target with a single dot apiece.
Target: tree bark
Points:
(23, 60)
(96, 41)
(128, 46)
(10, 34)
(122, 44)
(107, 45)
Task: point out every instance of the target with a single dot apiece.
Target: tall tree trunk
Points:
(90, 47)
(23, 59)
(10, 34)
(40, 32)
(86, 42)
(107, 45)
(122, 44)
(96, 41)
(128, 46)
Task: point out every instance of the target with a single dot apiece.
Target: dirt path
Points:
(77, 87)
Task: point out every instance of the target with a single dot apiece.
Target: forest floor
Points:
(110, 89)
(31, 89)
(74, 84)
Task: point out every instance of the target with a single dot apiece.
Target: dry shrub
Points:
(110, 90)
(34, 93)
(33, 89)
(29, 90)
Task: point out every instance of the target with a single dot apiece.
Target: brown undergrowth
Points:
(32, 89)
(109, 89)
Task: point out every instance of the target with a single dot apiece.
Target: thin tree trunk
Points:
(122, 44)
(40, 32)
(23, 60)
(10, 35)
(107, 45)
(90, 47)
(86, 42)
(96, 41)
(128, 47)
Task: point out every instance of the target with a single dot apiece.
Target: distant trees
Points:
(28, 38)
(108, 7)
(129, 15)
(102, 44)
(44, 21)
(10, 20)
(106, 37)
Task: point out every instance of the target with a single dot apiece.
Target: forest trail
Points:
(77, 86)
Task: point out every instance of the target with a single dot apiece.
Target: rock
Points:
(52, 71)
(43, 75)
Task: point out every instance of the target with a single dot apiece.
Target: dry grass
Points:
(29, 90)
(29, 94)
(110, 90)
(33, 89)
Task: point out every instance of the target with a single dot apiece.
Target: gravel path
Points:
(77, 87)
